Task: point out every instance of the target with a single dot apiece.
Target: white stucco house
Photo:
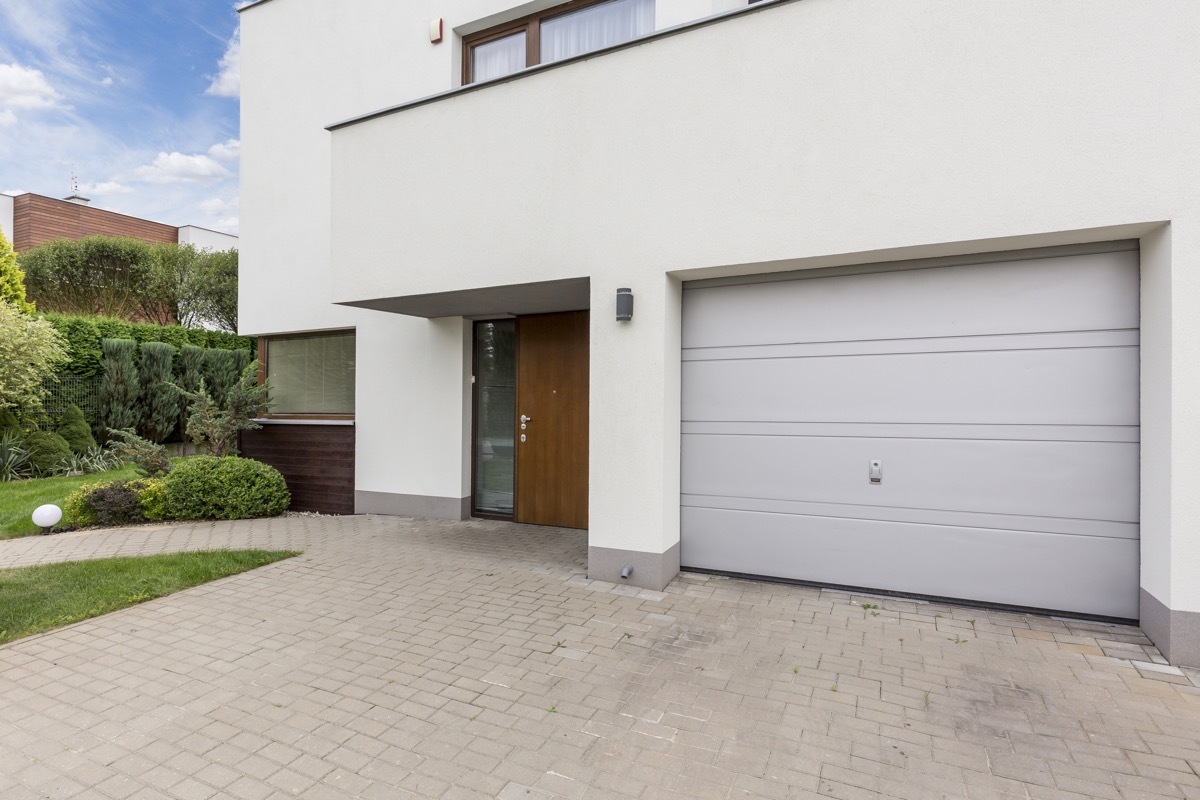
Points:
(915, 284)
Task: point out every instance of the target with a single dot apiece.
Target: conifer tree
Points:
(159, 400)
(119, 386)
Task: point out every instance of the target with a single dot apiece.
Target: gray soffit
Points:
(543, 297)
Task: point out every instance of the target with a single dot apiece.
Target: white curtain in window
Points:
(594, 27)
(497, 58)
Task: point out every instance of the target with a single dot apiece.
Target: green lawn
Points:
(41, 598)
(18, 499)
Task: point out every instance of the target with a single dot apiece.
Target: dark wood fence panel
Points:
(317, 461)
(38, 219)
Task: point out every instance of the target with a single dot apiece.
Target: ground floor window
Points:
(495, 370)
(310, 375)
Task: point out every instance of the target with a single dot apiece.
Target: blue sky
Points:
(138, 99)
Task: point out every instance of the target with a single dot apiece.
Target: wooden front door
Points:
(552, 420)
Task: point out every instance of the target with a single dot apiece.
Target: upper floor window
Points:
(554, 34)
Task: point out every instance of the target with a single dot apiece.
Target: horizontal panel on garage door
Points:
(1001, 399)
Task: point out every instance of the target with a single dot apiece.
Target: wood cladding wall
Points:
(38, 219)
(317, 461)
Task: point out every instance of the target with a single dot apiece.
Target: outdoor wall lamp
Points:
(624, 305)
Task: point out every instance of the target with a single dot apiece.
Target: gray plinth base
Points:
(1177, 633)
(650, 570)
(412, 505)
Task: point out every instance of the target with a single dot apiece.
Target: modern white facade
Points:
(206, 239)
(781, 136)
(6, 216)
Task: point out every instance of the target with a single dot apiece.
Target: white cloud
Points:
(7, 117)
(104, 188)
(226, 151)
(26, 88)
(180, 168)
(218, 205)
(52, 28)
(107, 81)
(228, 81)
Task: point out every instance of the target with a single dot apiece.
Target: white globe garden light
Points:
(47, 516)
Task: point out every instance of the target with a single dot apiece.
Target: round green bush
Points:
(8, 421)
(205, 487)
(74, 428)
(47, 451)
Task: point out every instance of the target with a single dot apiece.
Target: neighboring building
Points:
(915, 284)
(32, 219)
(206, 239)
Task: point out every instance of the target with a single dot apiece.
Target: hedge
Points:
(83, 335)
(205, 487)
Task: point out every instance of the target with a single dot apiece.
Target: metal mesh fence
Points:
(65, 390)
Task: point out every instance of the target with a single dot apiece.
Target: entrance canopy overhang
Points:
(490, 302)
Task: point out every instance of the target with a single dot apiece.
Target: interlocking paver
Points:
(417, 658)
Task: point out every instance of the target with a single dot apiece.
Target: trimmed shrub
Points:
(152, 494)
(76, 511)
(159, 400)
(115, 503)
(8, 421)
(73, 427)
(48, 452)
(206, 487)
(83, 335)
(83, 343)
(113, 328)
(119, 387)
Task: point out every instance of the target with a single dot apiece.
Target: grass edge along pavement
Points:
(18, 499)
(43, 597)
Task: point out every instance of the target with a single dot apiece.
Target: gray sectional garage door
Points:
(999, 396)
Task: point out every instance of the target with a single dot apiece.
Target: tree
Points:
(119, 387)
(114, 276)
(158, 398)
(212, 294)
(107, 275)
(221, 371)
(218, 424)
(189, 372)
(30, 349)
(12, 279)
(171, 294)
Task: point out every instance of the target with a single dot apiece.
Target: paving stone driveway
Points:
(410, 658)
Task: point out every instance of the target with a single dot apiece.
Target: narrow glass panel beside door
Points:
(495, 411)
